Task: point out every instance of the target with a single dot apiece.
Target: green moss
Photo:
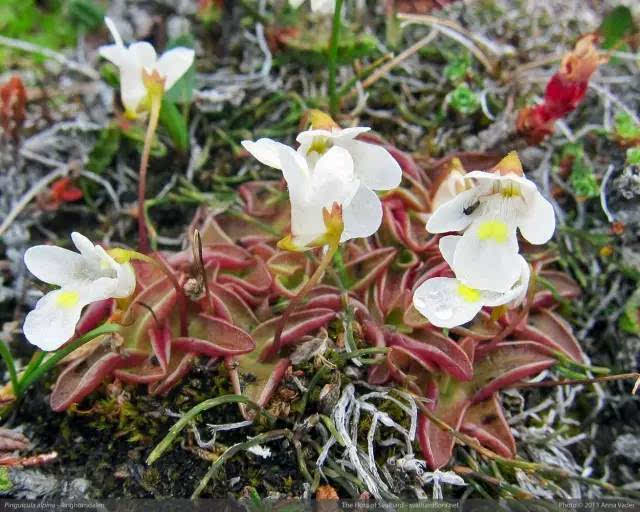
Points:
(463, 100)
(5, 481)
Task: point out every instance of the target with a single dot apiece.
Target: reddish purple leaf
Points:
(553, 331)
(214, 338)
(83, 376)
(450, 406)
(299, 324)
(94, 315)
(507, 364)
(486, 422)
(180, 365)
(160, 337)
(434, 348)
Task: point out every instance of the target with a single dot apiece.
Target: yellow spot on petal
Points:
(495, 230)
(468, 294)
(68, 299)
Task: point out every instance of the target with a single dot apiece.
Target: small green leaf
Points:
(182, 90)
(633, 156)
(582, 179)
(464, 100)
(625, 127)
(616, 25)
(5, 481)
(104, 149)
(630, 320)
(458, 67)
(173, 120)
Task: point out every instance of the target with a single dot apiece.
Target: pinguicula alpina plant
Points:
(237, 288)
(144, 79)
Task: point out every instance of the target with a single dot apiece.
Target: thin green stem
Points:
(143, 234)
(191, 414)
(59, 355)
(334, 99)
(11, 366)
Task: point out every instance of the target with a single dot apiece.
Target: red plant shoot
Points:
(564, 91)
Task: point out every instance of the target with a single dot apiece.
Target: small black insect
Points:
(471, 208)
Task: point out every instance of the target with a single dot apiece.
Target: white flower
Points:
(331, 180)
(501, 202)
(373, 165)
(448, 302)
(321, 6)
(139, 58)
(83, 278)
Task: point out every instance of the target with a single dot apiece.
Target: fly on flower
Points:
(447, 302)
(83, 278)
(501, 202)
(140, 68)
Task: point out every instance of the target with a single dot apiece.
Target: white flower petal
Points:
(296, 3)
(451, 215)
(333, 178)
(54, 319)
(446, 302)
(486, 257)
(373, 164)
(114, 53)
(173, 64)
(363, 215)
(114, 31)
(516, 294)
(132, 88)
(294, 169)
(447, 245)
(266, 151)
(126, 281)
(53, 265)
(344, 134)
(538, 223)
(144, 53)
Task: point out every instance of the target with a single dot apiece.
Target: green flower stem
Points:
(58, 355)
(191, 414)
(143, 234)
(11, 366)
(333, 59)
(313, 281)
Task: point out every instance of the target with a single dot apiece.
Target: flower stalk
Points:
(154, 115)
